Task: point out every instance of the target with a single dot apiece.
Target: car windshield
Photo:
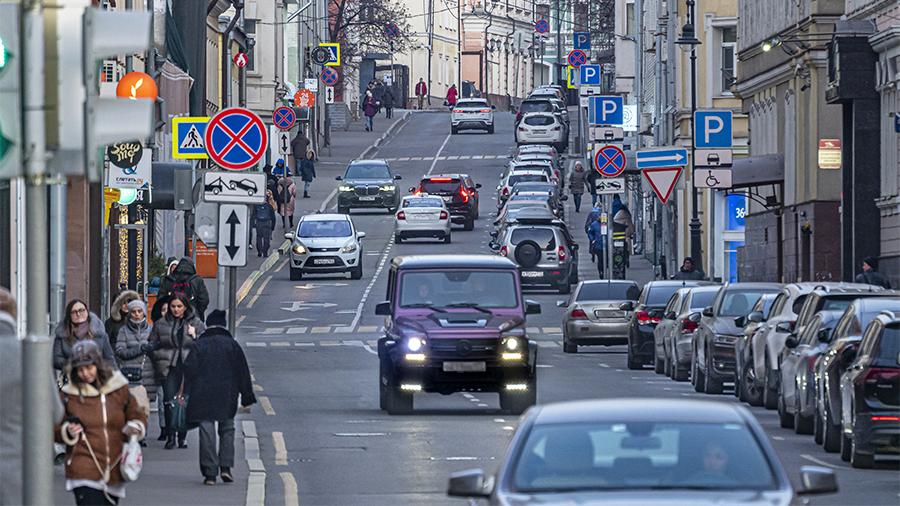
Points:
(640, 456)
(739, 302)
(544, 237)
(442, 185)
(487, 289)
(423, 202)
(540, 120)
(837, 303)
(530, 196)
(608, 291)
(472, 103)
(536, 106)
(324, 228)
(659, 295)
(703, 299)
(367, 171)
(520, 178)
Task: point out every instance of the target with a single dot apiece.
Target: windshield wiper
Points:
(424, 305)
(470, 305)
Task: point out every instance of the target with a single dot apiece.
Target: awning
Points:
(757, 170)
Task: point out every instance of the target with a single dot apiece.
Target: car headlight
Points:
(350, 248)
(388, 188)
(345, 188)
(415, 344)
(299, 249)
(725, 339)
(511, 343)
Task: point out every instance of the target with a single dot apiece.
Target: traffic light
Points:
(10, 92)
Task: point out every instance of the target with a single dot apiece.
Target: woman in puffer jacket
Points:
(79, 324)
(132, 348)
(118, 315)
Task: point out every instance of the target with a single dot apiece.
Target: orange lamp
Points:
(137, 85)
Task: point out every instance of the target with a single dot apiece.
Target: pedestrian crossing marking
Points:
(444, 157)
(552, 330)
(343, 330)
(281, 344)
(272, 330)
(321, 330)
(533, 330)
(361, 330)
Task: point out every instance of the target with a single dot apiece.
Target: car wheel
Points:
(454, 130)
(698, 379)
(569, 347)
(860, 460)
(399, 402)
(831, 437)
(634, 363)
(710, 385)
(447, 238)
(750, 390)
(818, 427)
(343, 210)
(385, 382)
(846, 447)
(680, 373)
(490, 129)
(296, 274)
(785, 419)
(517, 402)
(398, 238)
(658, 364)
(469, 224)
(565, 288)
(802, 424)
(770, 393)
(356, 272)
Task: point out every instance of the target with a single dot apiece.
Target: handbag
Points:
(132, 460)
(133, 374)
(178, 419)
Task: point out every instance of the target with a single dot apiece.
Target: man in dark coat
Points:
(216, 372)
(689, 271)
(184, 280)
(387, 100)
(870, 274)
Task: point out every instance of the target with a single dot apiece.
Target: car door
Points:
(666, 323)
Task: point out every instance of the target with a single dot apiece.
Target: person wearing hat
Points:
(870, 274)
(131, 351)
(689, 271)
(118, 315)
(100, 414)
(217, 373)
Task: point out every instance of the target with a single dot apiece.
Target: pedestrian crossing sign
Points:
(571, 77)
(188, 137)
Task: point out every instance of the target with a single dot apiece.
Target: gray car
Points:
(370, 184)
(673, 335)
(593, 316)
(640, 452)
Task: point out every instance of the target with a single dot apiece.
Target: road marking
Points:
(451, 459)
(259, 292)
(544, 366)
(778, 438)
(552, 330)
(343, 330)
(248, 283)
(365, 297)
(240, 320)
(266, 405)
(482, 405)
(320, 330)
(256, 489)
(271, 330)
(329, 343)
(255, 344)
(297, 330)
(467, 395)
(533, 330)
(604, 365)
(546, 344)
(499, 420)
(368, 328)
(438, 154)
(369, 349)
(280, 449)
(304, 344)
(822, 462)
(280, 344)
(352, 343)
(360, 434)
(291, 497)
(509, 427)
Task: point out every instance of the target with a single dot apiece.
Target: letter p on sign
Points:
(713, 129)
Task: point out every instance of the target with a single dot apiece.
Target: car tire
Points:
(385, 381)
(399, 402)
(296, 274)
(831, 434)
(846, 447)
(569, 347)
(357, 272)
(564, 288)
(680, 373)
(343, 210)
(785, 419)
(634, 363)
(770, 394)
(447, 238)
(750, 392)
(710, 385)
(658, 365)
(858, 459)
(802, 424)
(517, 402)
(469, 225)
(698, 379)
(398, 238)
(818, 427)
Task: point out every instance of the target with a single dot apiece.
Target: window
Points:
(250, 30)
(629, 18)
(488, 289)
(738, 303)
(728, 58)
(607, 291)
(324, 228)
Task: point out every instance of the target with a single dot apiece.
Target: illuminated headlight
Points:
(388, 188)
(511, 343)
(415, 344)
(299, 249)
(350, 248)
(414, 357)
(511, 355)
(724, 339)
(345, 188)
(517, 387)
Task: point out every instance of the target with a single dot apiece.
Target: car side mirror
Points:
(708, 311)
(398, 177)
(791, 342)
(360, 235)
(817, 480)
(289, 236)
(740, 321)
(532, 307)
(755, 317)
(694, 317)
(412, 189)
(383, 308)
(848, 356)
(338, 178)
(477, 185)
(785, 327)
(626, 306)
(823, 336)
(562, 303)
(471, 483)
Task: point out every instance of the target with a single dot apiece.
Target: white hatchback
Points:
(325, 243)
(422, 215)
(472, 114)
(541, 128)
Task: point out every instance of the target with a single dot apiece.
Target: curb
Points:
(390, 131)
(256, 480)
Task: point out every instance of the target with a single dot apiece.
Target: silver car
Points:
(422, 216)
(675, 331)
(472, 114)
(593, 316)
(326, 244)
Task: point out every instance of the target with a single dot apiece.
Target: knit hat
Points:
(85, 352)
(137, 304)
(217, 318)
(872, 261)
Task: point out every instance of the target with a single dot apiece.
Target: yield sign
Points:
(236, 139)
(663, 181)
(577, 58)
(609, 161)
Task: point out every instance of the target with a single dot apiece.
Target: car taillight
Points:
(506, 190)
(464, 194)
(444, 215)
(401, 215)
(644, 317)
(457, 110)
(518, 116)
(881, 375)
(561, 253)
(485, 110)
(688, 325)
(521, 129)
(504, 250)
(883, 418)
(578, 314)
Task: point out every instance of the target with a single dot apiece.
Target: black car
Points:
(368, 183)
(459, 192)
(647, 313)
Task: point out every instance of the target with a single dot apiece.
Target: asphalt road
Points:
(311, 348)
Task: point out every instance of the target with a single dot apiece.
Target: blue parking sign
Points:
(581, 40)
(712, 129)
(589, 75)
(606, 110)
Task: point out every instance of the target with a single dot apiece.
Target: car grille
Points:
(464, 349)
(323, 250)
(363, 190)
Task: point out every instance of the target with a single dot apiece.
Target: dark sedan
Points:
(640, 451)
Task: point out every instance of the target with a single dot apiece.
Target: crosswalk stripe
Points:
(281, 344)
(304, 344)
(297, 330)
(533, 330)
(546, 344)
(343, 330)
(368, 328)
(552, 330)
(272, 330)
(255, 344)
(353, 343)
(329, 343)
(321, 330)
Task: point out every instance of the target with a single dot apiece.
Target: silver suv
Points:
(543, 252)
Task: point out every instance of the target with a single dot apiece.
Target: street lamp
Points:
(689, 42)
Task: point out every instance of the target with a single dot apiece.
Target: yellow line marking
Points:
(259, 292)
(266, 405)
(291, 497)
(240, 320)
(280, 449)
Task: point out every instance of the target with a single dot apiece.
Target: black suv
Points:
(459, 192)
(456, 323)
(368, 183)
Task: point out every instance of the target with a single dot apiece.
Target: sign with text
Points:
(830, 154)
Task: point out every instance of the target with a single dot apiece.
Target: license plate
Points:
(464, 367)
(323, 261)
(532, 274)
(419, 217)
(611, 313)
(367, 199)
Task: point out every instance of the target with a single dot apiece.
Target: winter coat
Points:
(577, 181)
(129, 352)
(598, 243)
(591, 218)
(299, 147)
(185, 280)
(370, 105)
(116, 317)
(112, 403)
(216, 372)
(288, 191)
(695, 274)
(62, 348)
(387, 98)
(172, 341)
(873, 278)
(263, 217)
(307, 170)
(622, 220)
(421, 89)
(451, 96)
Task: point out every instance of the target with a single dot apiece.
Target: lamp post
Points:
(689, 42)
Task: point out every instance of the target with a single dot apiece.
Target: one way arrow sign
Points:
(664, 157)
(233, 223)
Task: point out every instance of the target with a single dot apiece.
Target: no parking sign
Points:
(236, 139)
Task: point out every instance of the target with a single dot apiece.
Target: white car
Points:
(541, 128)
(325, 244)
(422, 215)
(472, 114)
(518, 176)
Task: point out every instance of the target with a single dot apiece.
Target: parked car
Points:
(712, 360)
(422, 216)
(543, 128)
(518, 176)
(472, 114)
(674, 333)
(751, 324)
(593, 316)
(368, 183)
(640, 452)
(458, 191)
(543, 165)
(324, 244)
(513, 207)
(870, 393)
(553, 195)
(546, 256)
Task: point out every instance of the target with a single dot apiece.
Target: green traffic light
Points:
(5, 144)
(4, 55)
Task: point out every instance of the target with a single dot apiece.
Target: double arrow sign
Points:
(233, 221)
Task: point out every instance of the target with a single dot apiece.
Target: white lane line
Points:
(304, 344)
(499, 420)
(280, 448)
(256, 489)
(360, 434)
(370, 350)
(255, 344)
(280, 344)
(482, 405)
(266, 405)
(778, 438)
(509, 427)
(822, 462)
(452, 459)
(604, 365)
(544, 366)
(438, 154)
(381, 263)
(291, 494)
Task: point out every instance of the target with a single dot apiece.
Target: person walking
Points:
(591, 181)
(689, 271)
(155, 382)
(171, 339)
(308, 172)
(78, 324)
(421, 93)
(370, 109)
(622, 222)
(131, 351)
(288, 191)
(452, 94)
(592, 216)
(387, 100)
(185, 281)
(577, 184)
(217, 373)
(299, 147)
(870, 274)
(118, 315)
(597, 244)
(264, 221)
(100, 415)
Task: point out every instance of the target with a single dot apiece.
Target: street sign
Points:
(334, 53)
(829, 154)
(576, 58)
(304, 98)
(236, 139)
(234, 187)
(586, 91)
(134, 177)
(581, 40)
(606, 133)
(712, 129)
(320, 55)
(629, 118)
(712, 157)
(125, 155)
(241, 60)
(606, 110)
(392, 30)
(311, 84)
(589, 75)
(719, 179)
(189, 137)
(329, 94)
(607, 186)
(609, 160)
(329, 76)
(661, 157)
(284, 143)
(542, 26)
(571, 78)
(663, 181)
(284, 118)
(233, 221)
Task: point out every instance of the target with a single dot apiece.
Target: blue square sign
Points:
(712, 129)
(581, 40)
(589, 75)
(606, 110)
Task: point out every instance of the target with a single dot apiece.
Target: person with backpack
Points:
(264, 221)
(185, 281)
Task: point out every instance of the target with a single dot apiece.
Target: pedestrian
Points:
(299, 147)
(370, 109)
(452, 94)
(591, 181)
(622, 222)
(421, 93)
(185, 281)
(264, 221)
(597, 244)
(280, 170)
(592, 216)
(154, 383)
(217, 373)
(577, 184)
(308, 172)
(378, 92)
(131, 351)
(118, 315)
(100, 415)
(288, 191)
(171, 338)
(870, 274)
(689, 271)
(78, 324)
(387, 100)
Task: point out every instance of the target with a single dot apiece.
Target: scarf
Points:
(82, 330)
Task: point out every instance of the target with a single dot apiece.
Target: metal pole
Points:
(232, 299)
(559, 50)
(37, 466)
(57, 251)
(695, 218)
